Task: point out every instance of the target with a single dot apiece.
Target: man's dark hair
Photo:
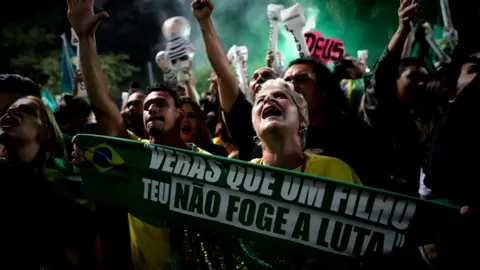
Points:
(337, 105)
(71, 108)
(17, 84)
(134, 88)
(135, 84)
(409, 62)
(164, 88)
(461, 55)
(341, 67)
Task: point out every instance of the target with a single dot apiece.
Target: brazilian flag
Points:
(104, 157)
(69, 59)
(422, 50)
(48, 99)
(354, 90)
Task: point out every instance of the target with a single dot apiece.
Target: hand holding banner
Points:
(324, 49)
(275, 207)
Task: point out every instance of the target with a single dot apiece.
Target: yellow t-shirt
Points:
(150, 245)
(216, 141)
(329, 167)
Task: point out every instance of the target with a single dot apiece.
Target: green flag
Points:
(282, 208)
(48, 99)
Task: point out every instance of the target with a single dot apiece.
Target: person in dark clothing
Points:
(132, 114)
(391, 108)
(46, 228)
(235, 106)
(72, 114)
(453, 157)
(392, 111)
(454, 143)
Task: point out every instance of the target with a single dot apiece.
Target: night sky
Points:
(135, 25)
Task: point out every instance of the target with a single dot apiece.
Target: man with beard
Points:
(235, 106)
(162, 113)
(132, 114)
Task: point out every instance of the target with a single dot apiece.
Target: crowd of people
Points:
(411, 132)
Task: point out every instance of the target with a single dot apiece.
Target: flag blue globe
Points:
(102, 157)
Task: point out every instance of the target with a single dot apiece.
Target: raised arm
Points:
(190, 91)
(228, 83)
(84, 22)
(407, 48)
(385, 72)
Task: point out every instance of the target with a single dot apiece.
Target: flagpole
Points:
(65, 49)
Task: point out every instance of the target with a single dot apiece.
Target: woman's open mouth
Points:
(186, 129)
(271, 111)
(9, 122)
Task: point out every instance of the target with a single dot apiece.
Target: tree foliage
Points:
(202, 74)
(117, 69)
(30, 51)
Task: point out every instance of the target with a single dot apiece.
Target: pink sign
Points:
(324, 49)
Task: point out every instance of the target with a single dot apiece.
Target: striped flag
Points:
(68, 66)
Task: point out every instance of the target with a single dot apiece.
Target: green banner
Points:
(158, 184)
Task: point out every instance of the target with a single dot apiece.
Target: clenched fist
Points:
(202, 9)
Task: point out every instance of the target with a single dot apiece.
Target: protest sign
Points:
(157, 184)
(322, 48)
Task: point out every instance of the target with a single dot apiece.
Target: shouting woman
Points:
(280, 120)
(45, 227)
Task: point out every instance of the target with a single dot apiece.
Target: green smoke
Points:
(360, 24)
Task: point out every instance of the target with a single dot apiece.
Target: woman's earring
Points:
(303, 131)
(257, 140)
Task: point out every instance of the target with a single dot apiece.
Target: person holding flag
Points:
(162, 114)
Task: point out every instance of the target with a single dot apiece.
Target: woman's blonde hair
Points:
(55, 145)
(297, 99)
